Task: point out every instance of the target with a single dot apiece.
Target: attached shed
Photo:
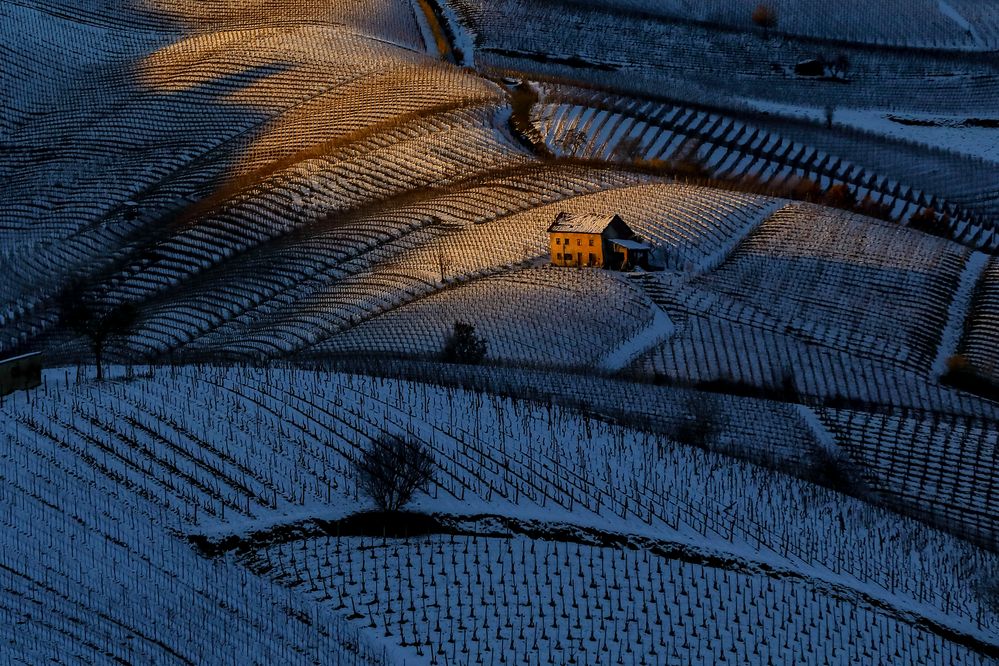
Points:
(598, 241)
(20, 373)
(633, 253)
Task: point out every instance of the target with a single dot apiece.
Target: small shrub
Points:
(929, 221)
(872, 208)
(631, 149)
(833, 471)
(963, 375)
(840, 196)
(391, 469)
(464, 345)
(959, 363)
(805, 189)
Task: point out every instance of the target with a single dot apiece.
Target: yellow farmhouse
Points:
(601, 241)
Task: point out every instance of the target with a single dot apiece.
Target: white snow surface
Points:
(959, 309)
(949, 132)
(658, 331)
(161, 452)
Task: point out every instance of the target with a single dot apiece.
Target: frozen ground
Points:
(961, 133)
(543, 521)
(757, 454)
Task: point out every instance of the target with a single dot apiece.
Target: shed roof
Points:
(14, 359)
(630, 244)
(581, 223)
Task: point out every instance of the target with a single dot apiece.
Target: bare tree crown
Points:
(391, 469)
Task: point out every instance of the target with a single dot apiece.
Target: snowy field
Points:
(959, 133)
(775, 444)
(592, 529)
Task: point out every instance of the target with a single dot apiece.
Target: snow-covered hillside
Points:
(631, 533)
(773, 442)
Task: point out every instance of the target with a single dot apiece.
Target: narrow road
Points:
(440, 36)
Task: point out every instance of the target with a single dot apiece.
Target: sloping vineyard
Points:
(594, 125)
(648, 53)
(283, 452)
(536, 317)
(940, 467)
(474, 598)
(847, 273)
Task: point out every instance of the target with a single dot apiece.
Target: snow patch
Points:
(958, 312)
(823, 437)
(948, 10)
(426, 34)
(944, 131)
(464, 39)
(659, 330)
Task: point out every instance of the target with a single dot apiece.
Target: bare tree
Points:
(443, 264)
(91, 314)
(391, 469)
(94, 309)
(573, 141)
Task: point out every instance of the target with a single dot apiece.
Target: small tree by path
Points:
(464, 345)
(391, 469)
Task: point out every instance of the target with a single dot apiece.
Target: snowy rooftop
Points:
(581, 223)
(630, 244)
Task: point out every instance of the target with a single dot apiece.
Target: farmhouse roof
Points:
(581, 223)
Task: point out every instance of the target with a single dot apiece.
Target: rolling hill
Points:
(775, 445)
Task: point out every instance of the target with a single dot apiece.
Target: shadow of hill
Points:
(142, 110)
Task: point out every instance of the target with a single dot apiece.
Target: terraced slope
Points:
(923, 23)
(304, 181)
(778, 154)
(597, 42)
(263, 457)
